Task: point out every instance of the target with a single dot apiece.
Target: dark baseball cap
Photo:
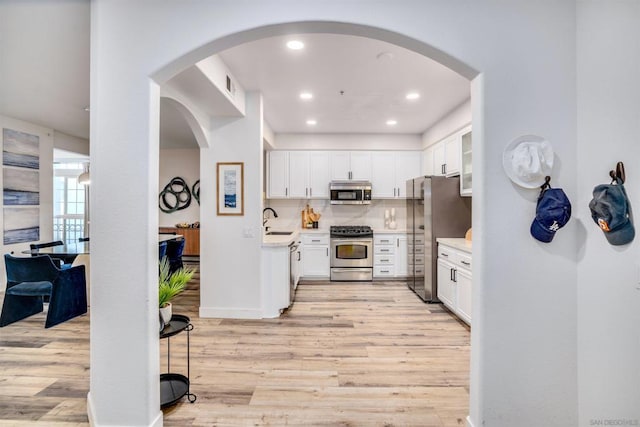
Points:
(610, 209)
(552, 213)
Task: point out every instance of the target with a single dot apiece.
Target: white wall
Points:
(452, 122)
(186, 165)
(227, 243)
(324, 141)
(70, 143)
(608, 293)
(46, 184)
(525, 334)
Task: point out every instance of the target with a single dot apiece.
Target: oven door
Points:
(352, 252)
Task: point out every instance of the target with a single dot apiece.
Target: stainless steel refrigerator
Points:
(434, 209)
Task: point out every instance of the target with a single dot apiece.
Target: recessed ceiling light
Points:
(295, 44)
(312, 122)
(413, 95)
(306, 95)
(392, 122)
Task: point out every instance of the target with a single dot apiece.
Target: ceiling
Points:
(357, 83)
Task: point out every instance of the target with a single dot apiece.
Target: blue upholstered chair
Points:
(29, 280)
(162, 250)
(175, 248)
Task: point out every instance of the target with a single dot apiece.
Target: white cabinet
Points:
(455, 280)
(309, 174)
(298, 174)
(390, 171)
(351, 165)
(402, 262)
(315, 255)
(390, 255)
(278, 187)
(445, 157)
(466, 171)
(427, 161)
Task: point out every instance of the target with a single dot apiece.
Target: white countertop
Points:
(279, 240)
(456, 243)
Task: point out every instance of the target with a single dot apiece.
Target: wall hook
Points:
(618, 174)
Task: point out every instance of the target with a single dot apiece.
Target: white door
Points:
(383, 175)
(315, 261)
(361, 165)
(340, 165)
(298, 174)
(401, 256)
(446, 286)
(278, 174)
(319, 175)
(463, 299)
(452, 153)
(407, 165)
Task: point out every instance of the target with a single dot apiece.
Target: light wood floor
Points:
(353, 354)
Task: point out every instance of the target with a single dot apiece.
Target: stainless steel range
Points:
(351, 253)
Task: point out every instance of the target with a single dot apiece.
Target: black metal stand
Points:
(174, 386)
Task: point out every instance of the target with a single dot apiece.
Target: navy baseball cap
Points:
(552, 213)
(610, 209)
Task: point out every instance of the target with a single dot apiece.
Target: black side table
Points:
(174, 386)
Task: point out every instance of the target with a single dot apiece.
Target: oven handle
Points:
(350, 270)
(351, 241)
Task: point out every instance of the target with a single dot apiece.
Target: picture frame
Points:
(230, 188)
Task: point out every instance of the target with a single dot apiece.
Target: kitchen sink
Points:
(279, 233)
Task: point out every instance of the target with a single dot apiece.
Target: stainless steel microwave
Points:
(350, 192)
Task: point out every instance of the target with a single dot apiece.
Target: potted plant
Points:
(170, 285)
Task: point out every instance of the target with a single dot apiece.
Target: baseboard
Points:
(469, 423)
(157, 422)
(230, 313)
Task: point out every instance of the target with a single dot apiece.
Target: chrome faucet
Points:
(264, 219)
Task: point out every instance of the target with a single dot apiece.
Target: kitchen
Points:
(300, 159)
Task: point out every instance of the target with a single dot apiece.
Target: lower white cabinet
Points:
(454, 277)
(390, 255)
(315, 256)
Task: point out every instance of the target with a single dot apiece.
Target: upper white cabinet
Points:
(447, 157)
(278, 187)
(298, 174)
(466, 172)
(351, 165)
(390, 171)
(309, 174)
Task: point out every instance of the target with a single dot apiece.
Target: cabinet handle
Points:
(286, 191)
(445, 255)
(327, 251)
(384, 250)
(384, 241)
(451, 274)
(455, 275)
(315, 240)
(465, 262)
(306, 192)
(384, 271)
(299, 258)
(384, 260)
(311, 192)
(397, 243)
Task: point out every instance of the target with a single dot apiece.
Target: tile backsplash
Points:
(373, 215)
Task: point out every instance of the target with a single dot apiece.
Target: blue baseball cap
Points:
(552, 213)
(610, 209)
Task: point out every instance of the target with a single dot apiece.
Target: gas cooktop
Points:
(350, 231)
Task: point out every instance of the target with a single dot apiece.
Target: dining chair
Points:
(61, 261)
(175, 248)
(30, 279)
(162, 250)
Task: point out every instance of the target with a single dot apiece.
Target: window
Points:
(68, 202)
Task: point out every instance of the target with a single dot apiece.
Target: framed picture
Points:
(230, 190)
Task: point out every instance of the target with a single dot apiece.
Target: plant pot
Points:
(165, 313)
